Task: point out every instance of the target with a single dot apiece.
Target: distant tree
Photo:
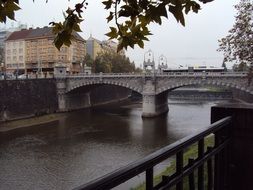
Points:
(224, 66)
(240, 67)
(88, 61)
(138, 70)
(110, 62)
(102, 64)
(122, 64)
(237, 46)
(132, 18)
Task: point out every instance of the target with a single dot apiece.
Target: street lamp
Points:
(162, 63)
(148, 56)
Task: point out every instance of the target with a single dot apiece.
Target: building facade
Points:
(5, 32)
(33, 51)
(94, 47)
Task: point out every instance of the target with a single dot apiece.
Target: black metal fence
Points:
(213, 157)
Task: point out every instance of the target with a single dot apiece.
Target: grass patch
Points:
(33, 121)
(190, 152)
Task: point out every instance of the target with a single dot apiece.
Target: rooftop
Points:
(37, 33)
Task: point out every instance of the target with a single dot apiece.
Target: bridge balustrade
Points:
(214, 157)
(174, 74)
(203, 74)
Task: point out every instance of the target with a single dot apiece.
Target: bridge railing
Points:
(204, 74)
(214, 157)
(170, 74)
(26, 76)
(101, 75)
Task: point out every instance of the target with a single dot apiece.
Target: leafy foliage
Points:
(88, 60)
(238, 44)
(132, 18)
(240, 67)
(109, 62)
(63, 31)
(137, 15)
(7, 9)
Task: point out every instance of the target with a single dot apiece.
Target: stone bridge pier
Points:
(61, 89)
(69, 101)
(153, 104)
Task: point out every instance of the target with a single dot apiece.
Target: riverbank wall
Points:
(203, 95)
(27, 98)
(242, 96)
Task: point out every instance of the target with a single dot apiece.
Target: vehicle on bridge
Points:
(194, 69)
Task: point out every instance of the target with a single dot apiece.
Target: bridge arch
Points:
(231, 86)
(94, 83)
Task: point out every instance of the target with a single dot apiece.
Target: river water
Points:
(86, 144)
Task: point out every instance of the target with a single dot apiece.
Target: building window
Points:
(20, 58)
(20, 50)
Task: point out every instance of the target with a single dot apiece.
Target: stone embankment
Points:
(27, 98)
(200, 94)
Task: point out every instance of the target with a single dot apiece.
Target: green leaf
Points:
(11, 6)
(110, 17)
(177, 12)
(143, 4)
(162, 10)
(58, 42)
(127, 11)
(57, 27)
(141, 44)
(7, 9)
(113, 33)
(107, 4)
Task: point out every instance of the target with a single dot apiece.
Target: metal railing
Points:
(216, 174)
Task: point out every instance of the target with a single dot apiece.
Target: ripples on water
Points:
(86, 144)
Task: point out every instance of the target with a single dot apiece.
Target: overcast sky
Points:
(194, 44)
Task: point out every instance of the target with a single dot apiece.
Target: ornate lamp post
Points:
(148, 56)
(162, 63)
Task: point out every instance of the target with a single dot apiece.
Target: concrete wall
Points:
(27, 98)
(24, 98)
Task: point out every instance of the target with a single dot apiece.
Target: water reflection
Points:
(154, 131)
(86, 144)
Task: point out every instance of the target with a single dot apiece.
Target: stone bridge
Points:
(153, 87)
